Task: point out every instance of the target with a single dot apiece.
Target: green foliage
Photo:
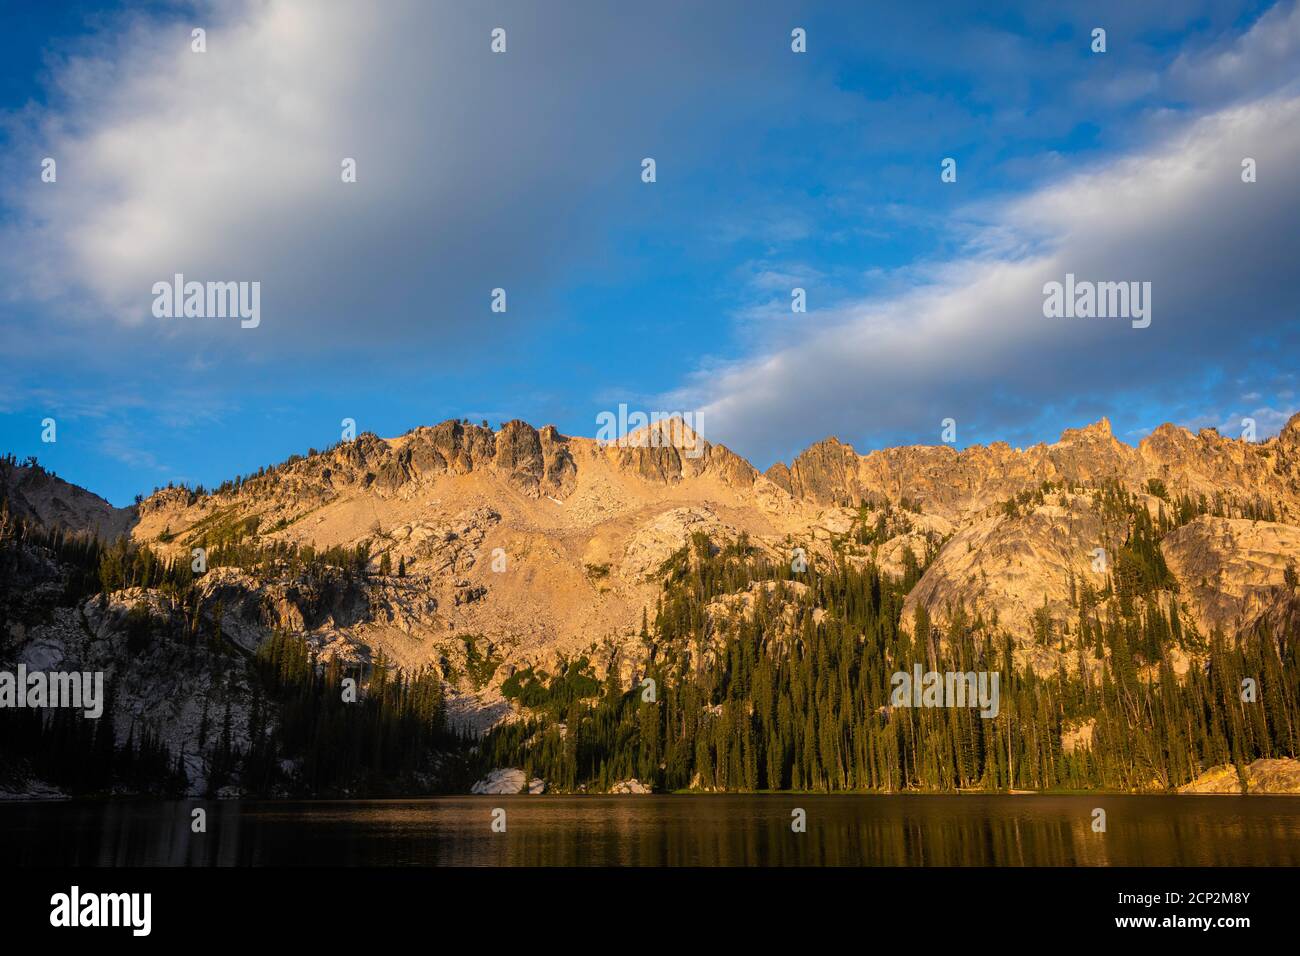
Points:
(223, 527)
(380, 743)
(552, 696)
(124, 564)
(787, 699)
(479, 666)
(794, 694)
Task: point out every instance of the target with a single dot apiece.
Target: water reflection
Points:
(911, 830)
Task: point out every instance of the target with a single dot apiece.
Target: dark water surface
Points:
(685, 830)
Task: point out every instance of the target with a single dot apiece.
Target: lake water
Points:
(678, 830)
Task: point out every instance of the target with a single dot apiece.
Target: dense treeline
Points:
(284, 726)
(1118, 501)
(82, 756)
(793, 692)
(793, 698)
(386, 735)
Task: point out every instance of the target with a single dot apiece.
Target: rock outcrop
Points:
(546, 547)
(958, 483)
(507, 780)
(1261, 776)
(37, 495)
(1233, 572)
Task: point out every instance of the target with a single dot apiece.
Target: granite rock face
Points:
(520, 547)
(507, 780)
(1261, 776)
(958, 483)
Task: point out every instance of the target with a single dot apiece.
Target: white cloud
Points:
(1219, 253)
(1264, 56)
(475, 170)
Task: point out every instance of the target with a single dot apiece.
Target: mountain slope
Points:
(37, 495)
(523, 547)
(957, 484)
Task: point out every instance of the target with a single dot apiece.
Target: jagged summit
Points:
(1098, 431)
(1291, 430)
(542, 464)
(529, 548)
(671, 432)
(953, 483)
(32, 493)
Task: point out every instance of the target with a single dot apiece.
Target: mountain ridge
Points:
(491, 555)
(446, 499)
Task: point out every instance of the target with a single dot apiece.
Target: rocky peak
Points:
(668, 451)
(670, 432)
(534, 462)
(1290, 433)
(1168, 433)
(820, 473)
(954, 484)
(41, 496)
(1097, 431)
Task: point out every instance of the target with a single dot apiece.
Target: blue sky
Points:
(522, 170)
